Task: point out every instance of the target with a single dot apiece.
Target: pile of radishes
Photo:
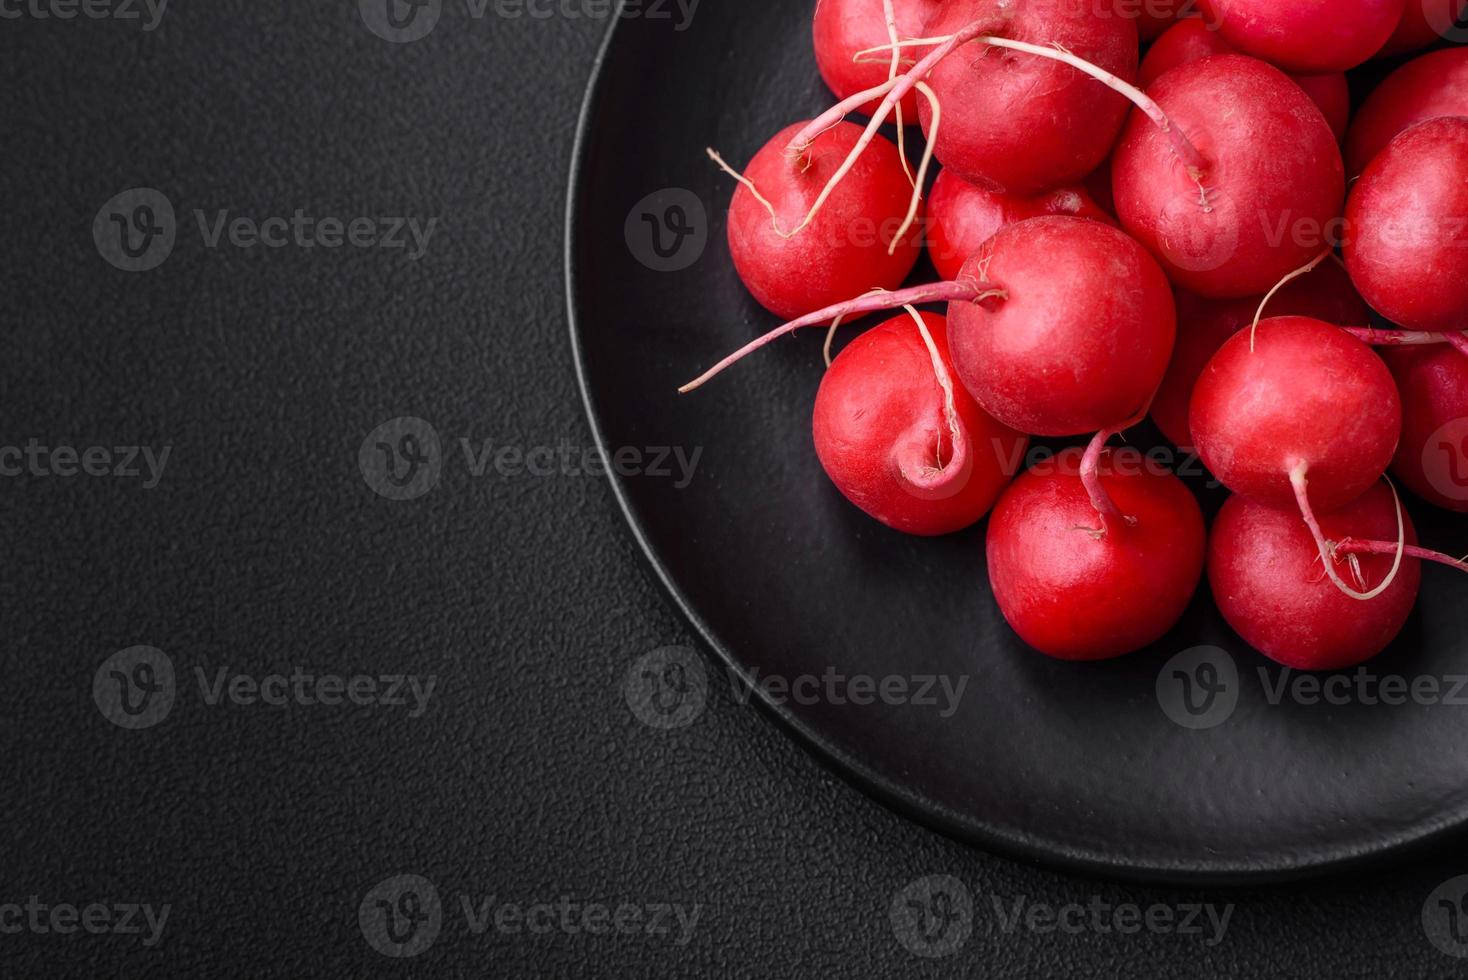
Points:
(1198, 249)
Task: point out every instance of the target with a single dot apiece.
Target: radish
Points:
(1082, 335)
(1308, 404)
(1313, 36)
(793, 256)
(1193, 40)
(1433, 457)
(1407, 246)
(961, 217)
(1256, 195)
(1267, 577)
(1423, 22)
(1023, 124)
(1203, 325)
(842, 28)
(1154, 17)
(1424, 88)
(904, 443)
(1078, 594)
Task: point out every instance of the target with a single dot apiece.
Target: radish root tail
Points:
(1303, 270)
(1330, 550)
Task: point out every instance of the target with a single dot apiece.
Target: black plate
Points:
(1076, 765)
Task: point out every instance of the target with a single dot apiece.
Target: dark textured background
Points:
(262, 548)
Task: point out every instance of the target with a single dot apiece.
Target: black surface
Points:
(1072, 763)
(263, 548)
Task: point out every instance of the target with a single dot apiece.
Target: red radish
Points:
(844, 27)
(1204, 324)
(1309, 401)
(1265, 570)
(1424, 88)
(1407, 246)
(1423, 22)
(1314, 36)
(1154, 17)
(1433, 457)
(1019, 123)
(1082, 335)
(1193, 40)
(1270, 184)
(843, 250)
(961, 217)
(902, 441)
(1077, 594)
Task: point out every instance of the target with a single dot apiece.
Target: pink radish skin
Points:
(1077, 595)
(1407, 220)
(1273, 182)
(1017, 123)
(1191, 40)
(1265, 571)
(1424, 88)
(843, 252)
(841, 28)
(1433, 382)
(1203, 325)
(1082, 337)
(1307, 393)
(1312, 36)
(882, 434)
(961, 217)
(1417, 30)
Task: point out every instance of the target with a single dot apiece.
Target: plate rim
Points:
(922, 810)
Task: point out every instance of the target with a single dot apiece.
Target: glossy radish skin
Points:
(1265, 571)
(843, 252)
(1203, 325)
(843, 27)
(1313, 36)
(1433, 457)
(1075, 595)
(1274, 179)
(1423, 22)
(1308, 392)
(1424, 88)
(1407, 218)
(1083, 336)
(961, 217)
(1192, 40)
(880, 430)
(1018, 123)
